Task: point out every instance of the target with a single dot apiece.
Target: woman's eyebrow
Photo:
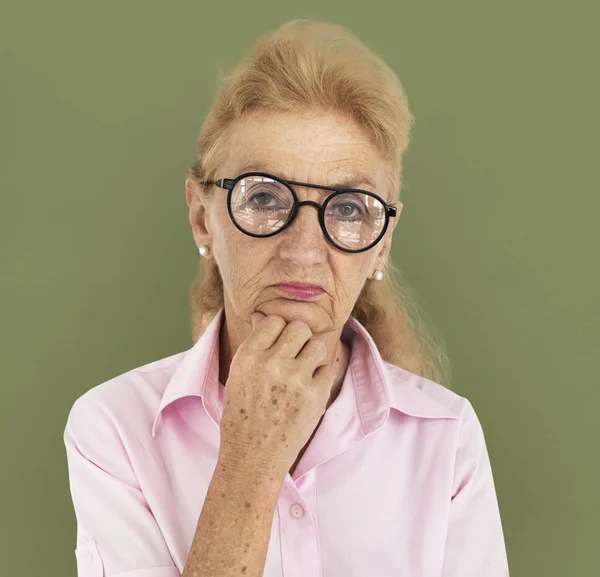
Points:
(352, 180)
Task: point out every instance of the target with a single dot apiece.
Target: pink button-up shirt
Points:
(396, 482)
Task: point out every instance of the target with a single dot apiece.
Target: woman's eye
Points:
(269, 202)
(349, 209)
(262, 198)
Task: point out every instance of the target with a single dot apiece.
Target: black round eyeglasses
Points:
(262, 205)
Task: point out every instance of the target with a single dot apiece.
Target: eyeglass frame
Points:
(229, 184)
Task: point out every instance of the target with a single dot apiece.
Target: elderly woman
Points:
(308, 431)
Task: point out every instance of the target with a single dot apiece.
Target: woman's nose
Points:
(304, 237)
(306, 222)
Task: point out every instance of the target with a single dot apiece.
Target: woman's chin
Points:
(290, 309)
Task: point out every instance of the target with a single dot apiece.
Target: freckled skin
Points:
(320, 148)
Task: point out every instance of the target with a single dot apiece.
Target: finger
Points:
(266, 332)
(255, 318)
(293, 337)
(313, 353)
(324, 375)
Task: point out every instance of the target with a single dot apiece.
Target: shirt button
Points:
(296, 510)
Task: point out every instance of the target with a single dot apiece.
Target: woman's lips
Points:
(299, 291)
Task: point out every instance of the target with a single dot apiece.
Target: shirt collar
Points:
(378, 385)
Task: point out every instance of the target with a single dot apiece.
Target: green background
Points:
(101, 106)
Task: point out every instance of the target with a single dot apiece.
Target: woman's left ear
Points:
(382, 255)
(386, 242)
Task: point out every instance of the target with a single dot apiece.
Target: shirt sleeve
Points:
(475, 542)
(117, 533)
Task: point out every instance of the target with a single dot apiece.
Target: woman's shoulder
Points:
(404, 385)
(128, 397)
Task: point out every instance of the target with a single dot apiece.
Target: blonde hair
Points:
(306, 65)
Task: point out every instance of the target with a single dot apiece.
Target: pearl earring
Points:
(378, 275)
(203, 250)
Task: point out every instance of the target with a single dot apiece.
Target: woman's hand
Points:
(275, 395)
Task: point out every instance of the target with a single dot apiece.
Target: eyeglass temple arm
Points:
(226, 183)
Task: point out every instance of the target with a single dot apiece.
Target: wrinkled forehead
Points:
(317, 149)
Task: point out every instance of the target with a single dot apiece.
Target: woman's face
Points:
(319, 149)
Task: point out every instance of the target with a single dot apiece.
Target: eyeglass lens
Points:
(261, 206)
